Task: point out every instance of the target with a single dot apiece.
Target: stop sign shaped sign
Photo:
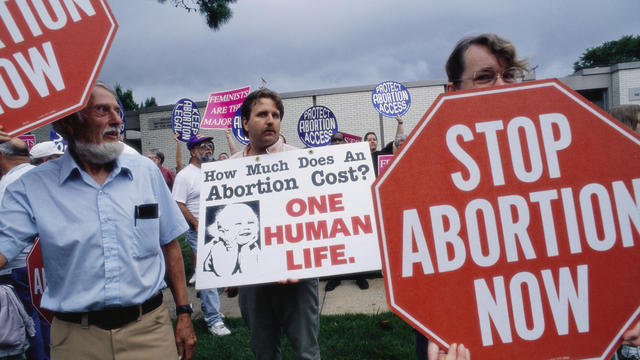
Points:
(37, 279)
(510, 221)
(51, 53)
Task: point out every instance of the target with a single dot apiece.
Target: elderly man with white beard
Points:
(107, 227)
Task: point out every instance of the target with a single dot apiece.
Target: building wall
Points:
(626, 79)
(351, 106)
(354, 112)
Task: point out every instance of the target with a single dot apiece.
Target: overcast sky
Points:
(298, 45)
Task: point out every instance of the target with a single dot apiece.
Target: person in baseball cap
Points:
(197, 139)
(43, 152)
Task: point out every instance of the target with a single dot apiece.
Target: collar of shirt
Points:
(95, 252)
(278, 146)
(70, 167)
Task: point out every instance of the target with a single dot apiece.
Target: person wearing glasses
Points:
(476, 62)
(186, 192)
(479, 62)
(104, 271)
(483, 61)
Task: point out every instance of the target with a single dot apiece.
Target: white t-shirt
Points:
(186, 188)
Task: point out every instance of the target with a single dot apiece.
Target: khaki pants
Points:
(150, 337)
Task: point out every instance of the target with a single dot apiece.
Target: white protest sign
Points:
(296, 214)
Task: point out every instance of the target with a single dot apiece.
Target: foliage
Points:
(128, 102)
(126, 98)
(216, 12)
(626, 49)
(342, 337)
(148, 102)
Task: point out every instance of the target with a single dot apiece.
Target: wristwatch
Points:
(184, 309)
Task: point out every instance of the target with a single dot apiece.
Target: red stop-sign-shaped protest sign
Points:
(51, 53)
(37, 279)
(510, 222)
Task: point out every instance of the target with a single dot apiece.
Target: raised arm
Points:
(179, 165)
(400, 127)
(230, 141)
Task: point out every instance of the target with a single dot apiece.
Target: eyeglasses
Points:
(337, 139)
(489, 76)
(103, 110)
(205, 145)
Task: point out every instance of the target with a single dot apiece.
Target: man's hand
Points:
(4, 137)
(632, 336)
(288, 281)
(456, 352)
(185, 337)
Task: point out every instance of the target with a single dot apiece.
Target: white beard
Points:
(99, 154)
(205, 158)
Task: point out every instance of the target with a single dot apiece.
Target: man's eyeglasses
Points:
(511, 75)
(337, 140)
(104, 110)
(205, 145)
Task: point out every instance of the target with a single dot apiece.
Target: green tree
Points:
(217, 12)
(626, 49)
(149, 102)
(126, 98)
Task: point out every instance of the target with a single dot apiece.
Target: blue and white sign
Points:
(123, 128)
(185, 119)
(316, 125)
(391, 99)
(236, 127)
(57, 139)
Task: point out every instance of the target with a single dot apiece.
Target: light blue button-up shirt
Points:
(96, 253)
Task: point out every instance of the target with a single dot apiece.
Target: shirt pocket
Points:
(147, 238)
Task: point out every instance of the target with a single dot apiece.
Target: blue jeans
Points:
(209, 299)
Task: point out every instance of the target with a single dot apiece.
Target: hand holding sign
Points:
(518, 203)
(4, 137)
(295, 214)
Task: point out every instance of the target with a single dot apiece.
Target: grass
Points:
(382, 336)
(342, 337)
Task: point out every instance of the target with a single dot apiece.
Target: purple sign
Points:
(185, 119)
(236, 127)
(391, 99)
(316, 125)
(123, 128)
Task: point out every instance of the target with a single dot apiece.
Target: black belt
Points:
(114, 317)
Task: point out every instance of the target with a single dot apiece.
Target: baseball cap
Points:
(197, 139)
(44, 149)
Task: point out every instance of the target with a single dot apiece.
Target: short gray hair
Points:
(77, 116)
